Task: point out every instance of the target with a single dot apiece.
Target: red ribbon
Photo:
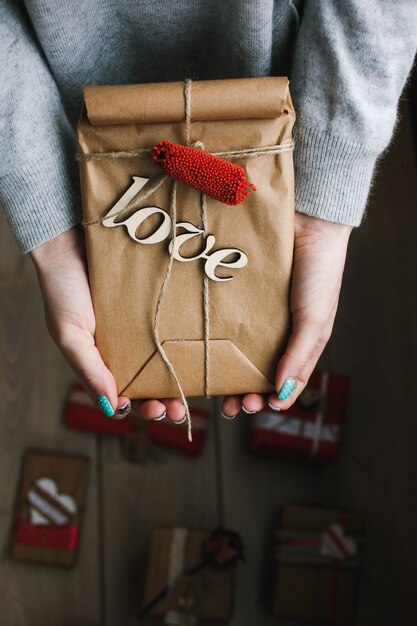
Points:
(63, 537)
(334, 593)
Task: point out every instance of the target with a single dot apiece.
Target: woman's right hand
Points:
(61, 266)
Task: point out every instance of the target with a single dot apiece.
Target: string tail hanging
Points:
(161, 295)
(203, 171)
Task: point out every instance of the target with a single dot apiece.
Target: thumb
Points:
(304, 348)
(80, 351)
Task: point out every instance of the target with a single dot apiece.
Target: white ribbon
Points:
(176, 568)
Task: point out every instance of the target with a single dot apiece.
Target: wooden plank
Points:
(34, 381)
(170, 489)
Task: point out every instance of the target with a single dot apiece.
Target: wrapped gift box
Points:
(47, 521)
(206, 594)
(310, 428)
(171, 435)
(317, 562)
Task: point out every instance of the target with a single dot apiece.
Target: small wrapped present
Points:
(82, 414)
(168, 173)
(317, 556)
(171, 435)
(48, 517)
(191, 575)
(310, 428)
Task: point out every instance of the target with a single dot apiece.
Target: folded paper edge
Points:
(267, 97)
(234, 373)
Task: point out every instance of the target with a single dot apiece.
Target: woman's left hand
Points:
(319, 258)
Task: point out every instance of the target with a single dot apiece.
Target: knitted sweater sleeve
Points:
(38, 184)
(351, 61)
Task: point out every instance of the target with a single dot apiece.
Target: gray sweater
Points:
(347, 61)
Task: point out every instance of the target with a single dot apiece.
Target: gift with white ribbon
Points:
(310, 428)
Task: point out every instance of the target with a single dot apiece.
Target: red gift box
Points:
(82, 414)
(310, 428)
(171, 435)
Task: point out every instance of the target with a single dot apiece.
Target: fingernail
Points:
(182, 421)
(158, 419)
(122, 410)
(228, 417)
(246, 410)
(274, 408)
(287, 388)
(105, 406)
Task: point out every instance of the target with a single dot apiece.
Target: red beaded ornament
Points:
(203, 171)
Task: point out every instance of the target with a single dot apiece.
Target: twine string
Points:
(147, 191)
(224, 154)
(162, 291)
(206, 304)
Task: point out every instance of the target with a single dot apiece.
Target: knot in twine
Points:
(149, 189)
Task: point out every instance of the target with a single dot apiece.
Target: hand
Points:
(61, 267)
(319, 258)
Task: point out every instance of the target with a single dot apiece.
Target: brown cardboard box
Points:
(208, 594)
(310, 586)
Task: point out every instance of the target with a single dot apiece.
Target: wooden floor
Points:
(374, 341)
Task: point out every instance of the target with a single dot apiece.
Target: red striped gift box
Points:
(82, 414)
(311, 428)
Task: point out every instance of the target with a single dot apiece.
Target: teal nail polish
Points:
(274, 408)
(287, 388)
(105, 405)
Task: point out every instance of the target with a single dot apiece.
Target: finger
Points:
(150, 409)
(304, 348)
(172, 408)
(79, 350)
(124, 407)
(231, 406)
(175, 409)
(253, 402)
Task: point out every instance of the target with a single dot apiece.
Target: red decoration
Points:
(223, 547)
(63, 537)
(203, 171)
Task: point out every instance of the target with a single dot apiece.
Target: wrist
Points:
(307, 224)
(58, 250)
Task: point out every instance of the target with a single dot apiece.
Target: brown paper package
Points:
(212, 588)
(317, 593)
(249, 315)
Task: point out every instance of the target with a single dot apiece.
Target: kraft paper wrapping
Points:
(319, 593)
(249, 315)
(212, 588)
